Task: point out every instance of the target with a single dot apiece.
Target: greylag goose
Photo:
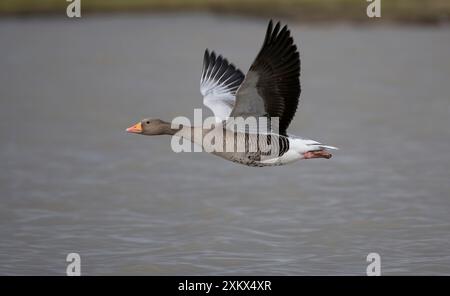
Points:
(270, 90)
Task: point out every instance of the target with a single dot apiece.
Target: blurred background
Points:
(72, 180)
(430, 11)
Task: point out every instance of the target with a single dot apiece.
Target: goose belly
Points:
(288, 157)
(253, 142)
(252, 160)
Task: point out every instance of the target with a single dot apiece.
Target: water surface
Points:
(72, 180)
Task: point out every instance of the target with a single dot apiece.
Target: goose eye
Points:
(148, 122)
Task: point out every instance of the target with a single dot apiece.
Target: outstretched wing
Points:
(272, 85)
(218, 84)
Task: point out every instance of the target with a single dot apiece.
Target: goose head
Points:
(151, 127)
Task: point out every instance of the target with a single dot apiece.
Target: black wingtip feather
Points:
(217, 68)
(278, 65)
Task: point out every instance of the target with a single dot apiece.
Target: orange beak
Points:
(136, 129)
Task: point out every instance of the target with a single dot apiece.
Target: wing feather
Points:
(218, 84)
(272, 85)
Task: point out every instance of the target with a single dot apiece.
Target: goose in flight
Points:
(270, 90)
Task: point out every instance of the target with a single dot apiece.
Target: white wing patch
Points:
(218, 84)
(220, 106)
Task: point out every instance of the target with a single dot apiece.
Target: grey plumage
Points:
(275, 75)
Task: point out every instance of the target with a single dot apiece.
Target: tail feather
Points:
(302, 145)
(318, 145)
(328, 147)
